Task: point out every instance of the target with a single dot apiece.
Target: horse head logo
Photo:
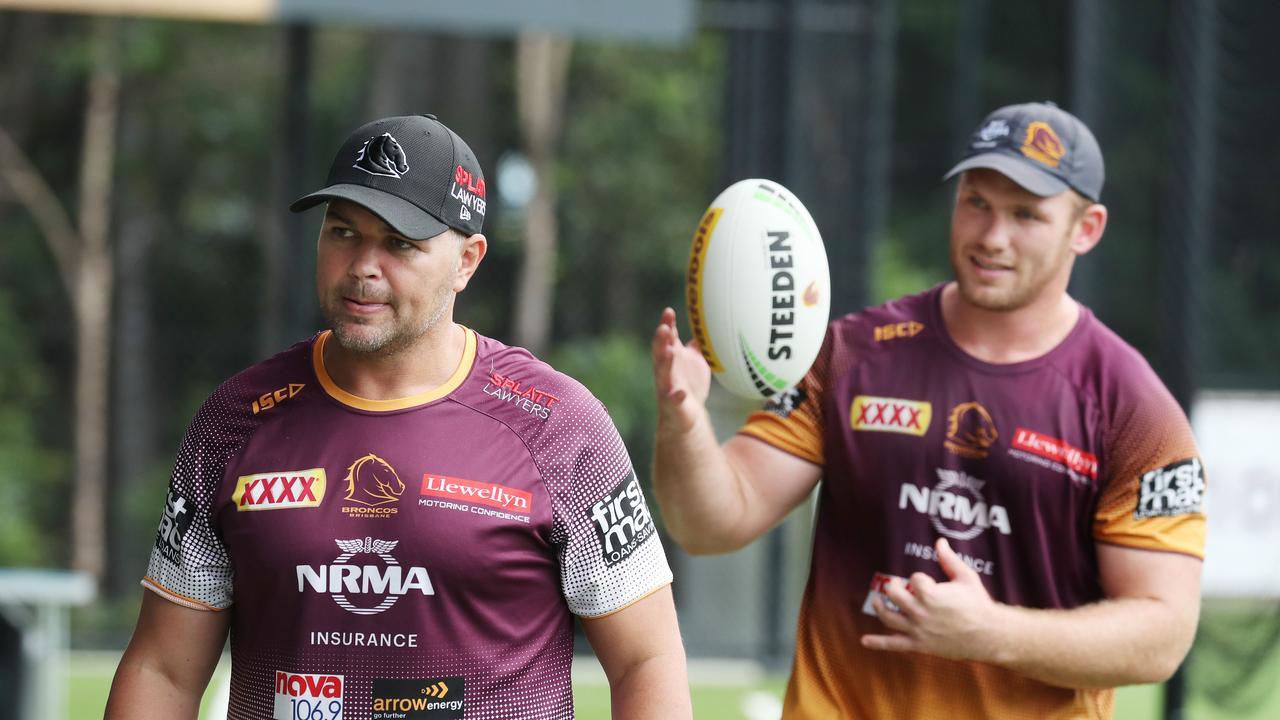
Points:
(381, 155)
(970, 430)
(372, 481)
(1043, 145)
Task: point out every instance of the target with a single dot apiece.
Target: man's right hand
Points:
(681, 376)
(714, 499)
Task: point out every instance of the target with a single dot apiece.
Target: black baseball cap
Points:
(411, 171)
(1040, 146)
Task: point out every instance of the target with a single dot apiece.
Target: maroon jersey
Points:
(414, 558)
(1023, 467)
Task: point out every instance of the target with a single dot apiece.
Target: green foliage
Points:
(616, 369)
(638, 166)
(31, 475)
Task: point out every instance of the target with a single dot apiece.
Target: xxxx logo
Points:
(883, 414)
(279, 490)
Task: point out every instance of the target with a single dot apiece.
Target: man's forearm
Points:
(657, 688)
(142, 693)
(696, 487)
(1116, 642)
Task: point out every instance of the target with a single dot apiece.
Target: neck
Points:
(419, 368)
(1003, 337)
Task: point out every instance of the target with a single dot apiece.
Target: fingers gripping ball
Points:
(758, 289)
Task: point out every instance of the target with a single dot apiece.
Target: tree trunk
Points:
(92, 298)
(133, 417)
(542, 70)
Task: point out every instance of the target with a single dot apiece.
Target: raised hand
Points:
(680, 375)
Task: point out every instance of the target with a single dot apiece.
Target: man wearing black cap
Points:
(1011, 518)
(399, 517)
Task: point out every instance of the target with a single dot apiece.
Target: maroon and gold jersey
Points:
(1023, 467)
(415, 558)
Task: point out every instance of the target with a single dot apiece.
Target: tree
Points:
(82, 253)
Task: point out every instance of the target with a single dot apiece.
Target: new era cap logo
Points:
(992, 132)
(381, 155)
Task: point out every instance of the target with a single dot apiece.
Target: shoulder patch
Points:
(1175, 489)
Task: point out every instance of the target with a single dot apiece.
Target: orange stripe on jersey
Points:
(176, 597)
(1154, 497)
(793, 421)
(788, 435)
(835, 677)
(355, 401)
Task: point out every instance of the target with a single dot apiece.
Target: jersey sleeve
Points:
(610, 554)
(1154, 496)
(189, 564)
(792, 421)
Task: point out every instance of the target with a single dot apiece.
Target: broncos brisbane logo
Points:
(381, 155)
(970, 430)
(372, 481)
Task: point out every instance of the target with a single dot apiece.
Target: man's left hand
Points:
(950, 619)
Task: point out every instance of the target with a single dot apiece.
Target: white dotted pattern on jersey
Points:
(202, 577)
(583, 459)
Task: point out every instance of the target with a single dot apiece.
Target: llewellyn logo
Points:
(373, 486)
(482, 493)
(347, 582)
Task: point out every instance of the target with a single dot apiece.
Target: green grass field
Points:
(712, 700)
(749, 698)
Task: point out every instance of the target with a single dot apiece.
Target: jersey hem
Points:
(1151, 547)
(177, 598)
(624, 607)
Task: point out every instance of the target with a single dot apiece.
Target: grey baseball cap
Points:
(411, 171)
(1040, 146)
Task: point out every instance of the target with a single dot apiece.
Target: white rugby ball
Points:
(758, 289)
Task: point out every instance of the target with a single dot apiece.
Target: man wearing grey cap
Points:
(1011, 519)
(399, 517)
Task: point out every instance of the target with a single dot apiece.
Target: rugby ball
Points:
(758, 290)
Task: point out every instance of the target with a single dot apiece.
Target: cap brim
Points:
(1036, 182)
(408, 219)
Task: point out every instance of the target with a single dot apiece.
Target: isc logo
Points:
(266, 401)
(893, 331)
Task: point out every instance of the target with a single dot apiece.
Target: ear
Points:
(472, 252)
(1089, 228)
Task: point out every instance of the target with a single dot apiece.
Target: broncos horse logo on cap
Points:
(1043, 145)
(381, 155)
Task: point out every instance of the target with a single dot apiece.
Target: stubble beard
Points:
(991, 298)
(1021, 293)
(385, 340)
